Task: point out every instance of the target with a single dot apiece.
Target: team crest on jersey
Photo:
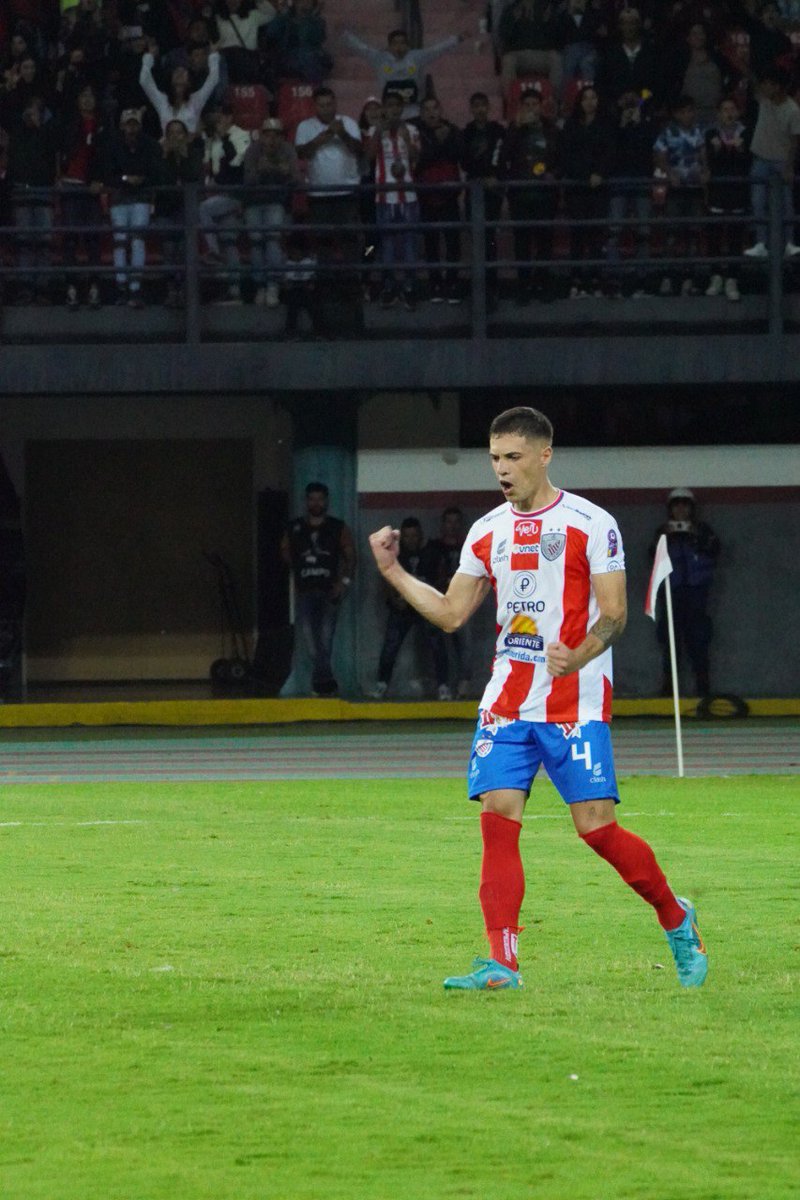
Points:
(552, 545)
(483, 747)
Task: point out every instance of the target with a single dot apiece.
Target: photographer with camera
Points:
(693, 550)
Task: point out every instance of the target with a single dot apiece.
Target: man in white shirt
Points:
(331, 146)
(774, 151)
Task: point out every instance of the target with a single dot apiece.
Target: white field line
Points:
(16, 824)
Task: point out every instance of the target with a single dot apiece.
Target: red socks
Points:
(502, 885)
(633, 859)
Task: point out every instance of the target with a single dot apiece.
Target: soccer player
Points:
(555, 563)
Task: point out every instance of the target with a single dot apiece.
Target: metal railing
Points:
(174, 247)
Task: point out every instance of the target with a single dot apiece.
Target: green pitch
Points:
(237, 994)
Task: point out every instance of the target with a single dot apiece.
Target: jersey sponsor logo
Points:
(613, 543)
(525, 548)
(523, 606)
(523, 638)
(483, 747)
(524, 586)
(553, 545)
(525, 641)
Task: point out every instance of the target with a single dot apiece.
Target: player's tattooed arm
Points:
(608, 629)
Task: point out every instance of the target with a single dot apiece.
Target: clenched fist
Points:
(384, 544)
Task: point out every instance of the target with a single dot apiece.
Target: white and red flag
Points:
(662, 567)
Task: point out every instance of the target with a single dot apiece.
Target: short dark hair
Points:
(684, 101)
(323, 90)
(478, 96)
(393, 94)
(452, 510)
(316, 487)
(526, 422)
(393, 33)
(410, 523)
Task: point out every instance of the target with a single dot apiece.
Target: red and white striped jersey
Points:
(393, 149)
(540, 566)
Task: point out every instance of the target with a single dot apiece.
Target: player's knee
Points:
(505, 803)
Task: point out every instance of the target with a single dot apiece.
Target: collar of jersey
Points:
(536, 511)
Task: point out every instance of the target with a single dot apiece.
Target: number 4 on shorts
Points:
(584, 756)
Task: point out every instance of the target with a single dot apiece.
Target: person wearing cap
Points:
(693, 550)
(270, 168)
(130, 167)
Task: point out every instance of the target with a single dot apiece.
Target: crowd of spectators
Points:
(610, 113)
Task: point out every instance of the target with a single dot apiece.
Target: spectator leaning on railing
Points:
(32, 170)
(130, 168)
(587, 160)
(481, 143)
(529, 154)
(774, 151)
(393, 146)
(727, 156)
(182, 163)
(331, 146)
(440, 162)
(225, 147)
(271, 170)
(79, 137)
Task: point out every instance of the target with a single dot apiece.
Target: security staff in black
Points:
(321, 553)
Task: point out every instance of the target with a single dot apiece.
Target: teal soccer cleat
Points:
(691, 957)
(488, 976)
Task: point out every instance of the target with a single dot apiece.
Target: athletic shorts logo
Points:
(570, 729)
(553, 545)
(524, 586)
(483, 747)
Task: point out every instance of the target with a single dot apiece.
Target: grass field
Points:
(234, 991)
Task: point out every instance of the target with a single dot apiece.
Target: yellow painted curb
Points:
(277, 712)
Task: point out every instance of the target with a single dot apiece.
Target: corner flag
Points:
(662, 567)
